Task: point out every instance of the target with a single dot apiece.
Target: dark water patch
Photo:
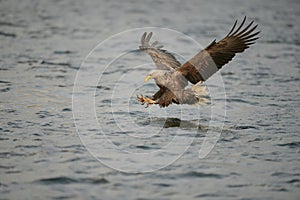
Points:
(207, 195)
(144, 198)
(71, 160)
(27, 146)
(194, 174)
(50, 130)
(7, 34)
(258, 139)
(15, 124)
(5, 82)
(280, 189)
(13, 172)
(162, 184)
(123, 113)
(293, 181)
(172, 122)
(106, 101)
(64, 52)
(102, 87)
(57, 180)
(227, 73)
(7, 131)
(2, 23)
(281, 99)
(44, 77)
(66, 110)
(291, 79)
(3, 185)
(235, 174)
(29, 62)
(46, 124)
(237, 185)
(81, 172)
(44, 114)
(8, 110)
(261, 75)
(65, 197)
(11, 154)
(137, 113)
(203, 127)
(169, 122)
(41, 161)
(229, 139)
(284, 174)
(61, 86)
(72, 146)
(50, 77)
(37, 134)
(290, 145)
(144, 147)
(5, 89)
(56, 63)
(273, 159)
(67, 180)
(176, 122)
(93, 129)
(6, 167)
(247, 69)
(244, 127)
(37, 67)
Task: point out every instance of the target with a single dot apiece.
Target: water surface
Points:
(43, 44)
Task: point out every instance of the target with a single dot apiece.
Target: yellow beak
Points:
(147, 78)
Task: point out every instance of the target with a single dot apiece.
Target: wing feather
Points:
(217, 54)
(162, 58)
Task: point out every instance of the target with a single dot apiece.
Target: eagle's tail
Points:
(202, 94)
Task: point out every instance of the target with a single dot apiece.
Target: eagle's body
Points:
(172, 88)
(172, 78)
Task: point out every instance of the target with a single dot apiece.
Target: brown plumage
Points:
(172, 77)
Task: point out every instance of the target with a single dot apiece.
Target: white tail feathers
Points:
(201, 93)
(200, 90)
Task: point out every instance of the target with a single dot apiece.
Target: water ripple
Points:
(68, 180)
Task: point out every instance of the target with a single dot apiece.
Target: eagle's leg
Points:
(147, 100)
(196, 85)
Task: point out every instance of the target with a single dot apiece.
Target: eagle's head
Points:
(158, 75)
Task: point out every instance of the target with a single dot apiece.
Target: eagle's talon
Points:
(141, 99)
(144, 100)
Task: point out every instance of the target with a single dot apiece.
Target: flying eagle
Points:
(172, 78)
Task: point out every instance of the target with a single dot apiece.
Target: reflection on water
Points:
(42, 156)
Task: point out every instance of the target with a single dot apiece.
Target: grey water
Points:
(114, 148)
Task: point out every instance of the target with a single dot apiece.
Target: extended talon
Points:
(144, 100)
(141, 99)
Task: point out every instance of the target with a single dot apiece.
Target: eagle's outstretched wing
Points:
(214, 56)
(162, 59)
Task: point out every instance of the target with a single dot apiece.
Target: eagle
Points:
(172, 77)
